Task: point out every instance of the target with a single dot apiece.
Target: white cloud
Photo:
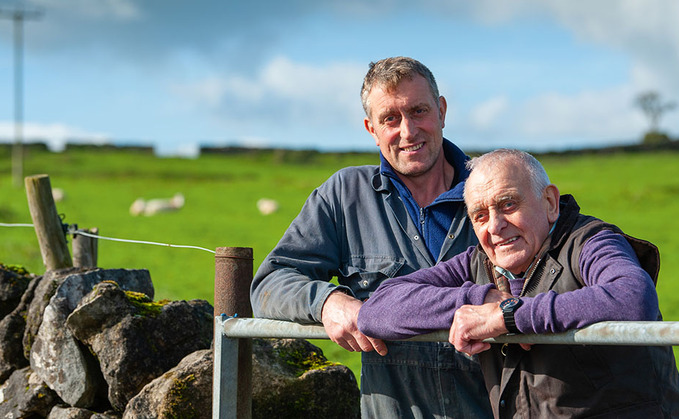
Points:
(207, 92)
(119, 9)
(189, 150)
(284, 90)
(620, 22)
(602, 115)
(55, 135)
(646, 30)
(296, 80)
(239, 68)
(487, 113)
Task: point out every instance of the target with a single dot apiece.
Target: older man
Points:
(540, 267)
(367, 224)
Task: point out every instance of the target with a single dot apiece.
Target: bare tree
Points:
(654, 108)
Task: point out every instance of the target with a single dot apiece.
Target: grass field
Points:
(638, 192)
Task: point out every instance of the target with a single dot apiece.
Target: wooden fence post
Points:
(85, 249)
(233, 276)
(47, 223)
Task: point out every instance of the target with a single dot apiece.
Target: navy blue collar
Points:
(453, 155)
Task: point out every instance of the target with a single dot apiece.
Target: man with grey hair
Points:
(367, 224)
(540, 267)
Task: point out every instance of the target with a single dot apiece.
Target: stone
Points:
(24, 395)
(12, 287)
(292, 379)
(12, 328)
(44, 291)
(68, 412)
(185, 391)
(106, 415)
(150, 338)
(101, 348)
(55, 355)
(11, 348)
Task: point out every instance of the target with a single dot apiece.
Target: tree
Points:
(654, 108)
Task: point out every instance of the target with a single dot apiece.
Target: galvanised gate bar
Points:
(234, 329)
(230, 331)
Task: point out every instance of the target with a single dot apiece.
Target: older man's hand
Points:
(472, 324)
(339, 316)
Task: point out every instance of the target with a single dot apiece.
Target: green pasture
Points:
(638, 192)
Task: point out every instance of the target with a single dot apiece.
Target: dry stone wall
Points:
(78, 343)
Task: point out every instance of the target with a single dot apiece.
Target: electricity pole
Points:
(18, 16)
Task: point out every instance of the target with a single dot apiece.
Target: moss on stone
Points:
(109, 281)
(21, 275)
(144, 304)
(297, 400)
(17, 269)
(302, 361)
(180, 405)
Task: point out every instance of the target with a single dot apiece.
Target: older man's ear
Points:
(551, 196)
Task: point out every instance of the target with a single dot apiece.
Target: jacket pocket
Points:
(365, 273)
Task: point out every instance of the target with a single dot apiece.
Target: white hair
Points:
(536, 173)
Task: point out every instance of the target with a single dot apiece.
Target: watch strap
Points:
(510, 323)
(508, 308)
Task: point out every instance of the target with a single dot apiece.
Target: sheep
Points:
(137, 207)
(154, 206)
(58, 194)
(267, 206)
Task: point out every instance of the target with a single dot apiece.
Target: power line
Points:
(18, 16)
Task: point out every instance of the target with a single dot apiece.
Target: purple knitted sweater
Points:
(617, 288)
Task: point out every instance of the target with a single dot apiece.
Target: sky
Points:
(539, 75)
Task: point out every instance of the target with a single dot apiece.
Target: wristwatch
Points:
(508, 307)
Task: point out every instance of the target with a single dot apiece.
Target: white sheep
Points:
(154, 206)
(58, 194)
(267, 206)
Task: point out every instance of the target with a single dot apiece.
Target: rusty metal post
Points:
(233, 276)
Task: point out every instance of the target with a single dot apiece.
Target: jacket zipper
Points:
(529, 276)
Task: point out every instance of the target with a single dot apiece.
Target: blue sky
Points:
(533, 74)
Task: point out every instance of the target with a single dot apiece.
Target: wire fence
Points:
(15, 225)
(81, 232)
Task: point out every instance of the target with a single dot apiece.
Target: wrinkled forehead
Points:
(490, 183)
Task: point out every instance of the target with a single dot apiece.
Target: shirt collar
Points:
(454, 155)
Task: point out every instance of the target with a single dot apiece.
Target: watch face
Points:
(509, 304)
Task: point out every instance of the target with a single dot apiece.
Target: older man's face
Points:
(510, 222)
